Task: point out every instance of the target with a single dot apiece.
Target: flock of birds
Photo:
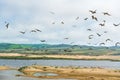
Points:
(91, 36)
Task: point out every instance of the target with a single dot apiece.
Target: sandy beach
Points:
(76, 57)
(72, 72)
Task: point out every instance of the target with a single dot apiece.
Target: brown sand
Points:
(73, 73)
(103, 57)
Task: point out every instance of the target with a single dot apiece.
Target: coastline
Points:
(65, 57)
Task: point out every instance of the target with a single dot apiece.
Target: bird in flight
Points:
(108, 40)
(22, 32)
(66, 38)
(7, 25)
(52, 12)
(94, 18)
(106, 13)
(38, 30)
(62, 22)
(77, 18)
(117, 43)
(98, 34)
(102, 44)
(116, 24)
(93, 12)
(33, 31)
(43, 40)
(86, 19)
(89, 29)
(90, 36)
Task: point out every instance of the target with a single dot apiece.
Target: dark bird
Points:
(86, 19)
(108, 40)
(105, 31)
(89, 29)
(43, 40)
(33, 31)
(98, 34)
(117, 43)
(116, 24)
(90, 36)
(53, 22)
(7, 25)
(94, 18)
(62, 22)
(77, 18)
(106, 13)
(66, 38)
(102, 24)
(38, 30)
(93, 12)
(102, 44)
(22, 32)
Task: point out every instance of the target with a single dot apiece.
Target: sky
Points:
(26, 15)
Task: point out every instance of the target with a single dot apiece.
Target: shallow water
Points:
(81, 63)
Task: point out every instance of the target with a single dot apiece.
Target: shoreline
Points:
(77, 73)
(64, 57)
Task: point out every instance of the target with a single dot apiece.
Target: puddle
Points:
(45, 74)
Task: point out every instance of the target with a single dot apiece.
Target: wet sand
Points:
(72, 72)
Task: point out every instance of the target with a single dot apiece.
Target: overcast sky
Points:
(26, 15)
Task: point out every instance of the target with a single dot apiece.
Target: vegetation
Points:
(40, 49)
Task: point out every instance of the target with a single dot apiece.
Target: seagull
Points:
(38, 30)
(93, 12)
(86, 19)
(95, 18)
(98, 34)
(43, 40)
(66, 38)
(22, 32)
(33, 31)
(7, 25)
(90, 36)
(89, 29)
(117, 43)
(106, 13)
(108, 40)
(102, 44)
(62, 22)
(116, 24)
(77, 18)
(102, 24)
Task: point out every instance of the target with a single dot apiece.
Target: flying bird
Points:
(62, 22)
(116, 24)
(93, 12)
(102, 44)
(94, 18)
(43, 40)
(86, 19)
(106, 13)
(77, 18)
(22, 32)
(98, 34)
(108, 40)
(90, 36)
(66, 38)
(89, 29)
(102, 24)
(33, 31)
(7, 25)
(117, 43)
(38, 30)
